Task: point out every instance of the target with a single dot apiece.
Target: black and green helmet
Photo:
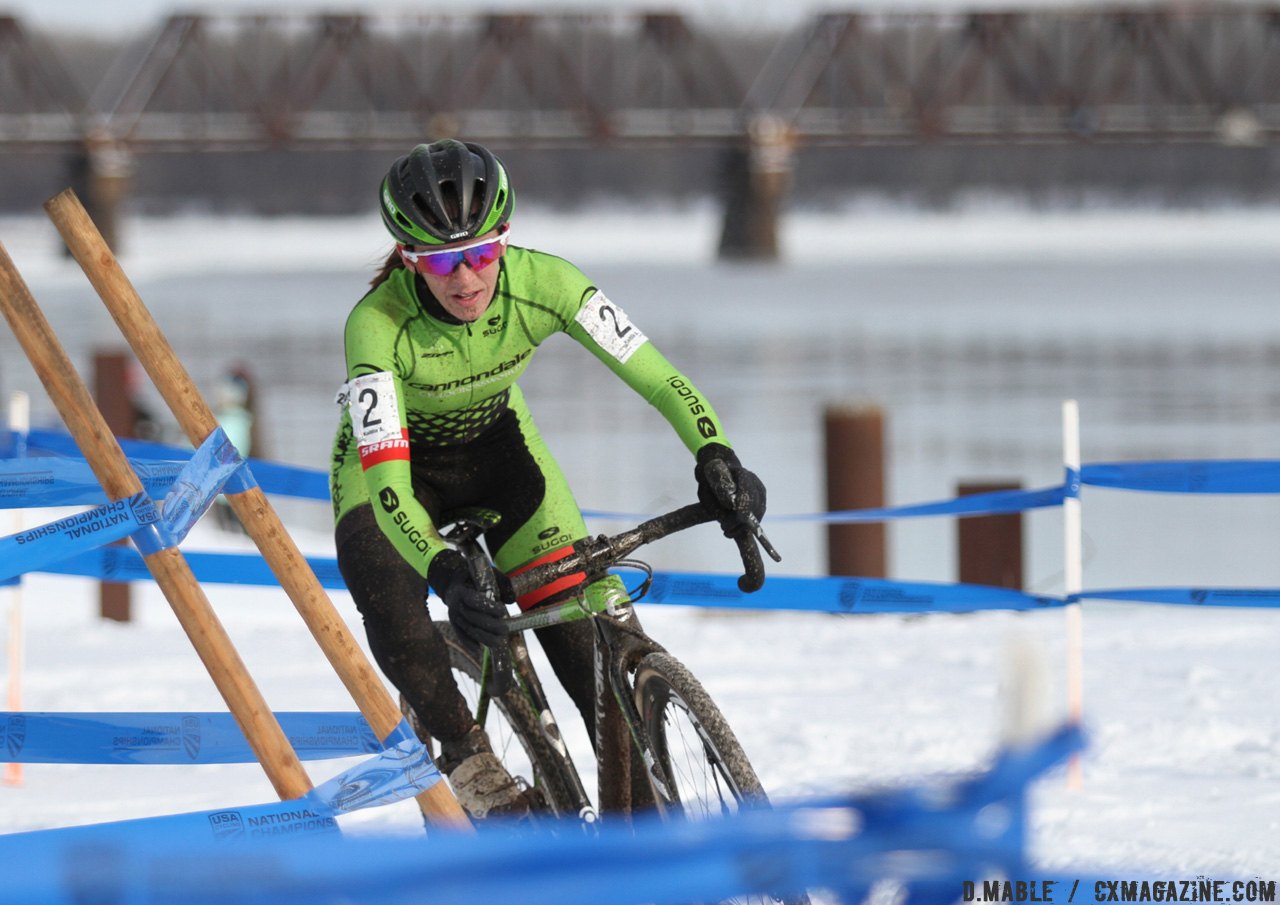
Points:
(445, 192)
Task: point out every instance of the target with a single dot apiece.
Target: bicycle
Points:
(688, 763)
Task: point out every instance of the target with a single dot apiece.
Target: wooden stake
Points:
(256, 513)
(111, 467)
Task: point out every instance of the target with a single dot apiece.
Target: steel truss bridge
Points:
(1180, 73)
(207, 83)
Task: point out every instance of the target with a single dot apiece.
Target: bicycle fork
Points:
(532, 687)
(620, 731)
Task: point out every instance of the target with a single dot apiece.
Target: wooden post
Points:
(197, 420)
(989, 547)
(104, 455)
(855, 480)
(111, 390)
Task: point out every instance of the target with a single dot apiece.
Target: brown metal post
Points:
(855, 480)
(111, 392)
(989, 547)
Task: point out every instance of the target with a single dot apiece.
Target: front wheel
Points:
(698, 752)
(708, 769)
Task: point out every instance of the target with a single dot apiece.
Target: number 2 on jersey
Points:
(375, 410)
(610, 327)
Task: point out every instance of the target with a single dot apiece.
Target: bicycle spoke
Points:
(502, 737)
(695, 769)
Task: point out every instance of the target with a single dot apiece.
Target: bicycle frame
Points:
(617, 651)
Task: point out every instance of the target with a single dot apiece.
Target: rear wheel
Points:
(514, 732)
(709, 771)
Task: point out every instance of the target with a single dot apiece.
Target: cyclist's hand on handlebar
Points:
(473, 613)
(734, 494)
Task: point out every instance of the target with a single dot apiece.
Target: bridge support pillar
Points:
(757, 179)
(100, 173)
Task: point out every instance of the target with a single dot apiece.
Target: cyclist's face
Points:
(465, 293)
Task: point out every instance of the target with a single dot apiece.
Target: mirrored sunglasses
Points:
(477, 255)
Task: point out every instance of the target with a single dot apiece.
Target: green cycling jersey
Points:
(417, 382)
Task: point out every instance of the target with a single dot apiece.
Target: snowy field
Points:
(1181, 776)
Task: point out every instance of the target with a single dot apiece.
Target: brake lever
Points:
(758, 532)
(719, 472)
(496, 673)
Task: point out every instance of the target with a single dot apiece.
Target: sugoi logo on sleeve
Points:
(389, 499)
(610, 327)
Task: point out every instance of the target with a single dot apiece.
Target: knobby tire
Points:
(696, 748)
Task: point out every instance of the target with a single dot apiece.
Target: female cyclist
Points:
(433, 420)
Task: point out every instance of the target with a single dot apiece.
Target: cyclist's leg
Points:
(412, 653)
(546, 529)
(544, 535)
(408, 648)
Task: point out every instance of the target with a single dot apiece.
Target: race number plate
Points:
(610, 327)
(375, 419)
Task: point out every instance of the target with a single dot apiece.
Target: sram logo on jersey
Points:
(385, 451)
(706, 427)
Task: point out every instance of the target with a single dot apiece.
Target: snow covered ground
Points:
(1180, 777)
(1181, 774)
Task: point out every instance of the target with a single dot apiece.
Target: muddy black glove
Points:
(728, 489)
(473, 613)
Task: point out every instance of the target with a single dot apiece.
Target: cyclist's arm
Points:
(604, 329)
(379, 424)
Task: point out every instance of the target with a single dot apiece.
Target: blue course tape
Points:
(841, 844)
(839, 595)
(47, 481)
(199, 483)
(272, 477)
(13, 444)
(1236, 597)
(993, 503)
(1189, 476)
(123, 564)
(1071, 484)
(35, 548)
(172, 738)
(402, 770)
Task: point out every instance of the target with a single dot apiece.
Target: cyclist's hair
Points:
(389, 266)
